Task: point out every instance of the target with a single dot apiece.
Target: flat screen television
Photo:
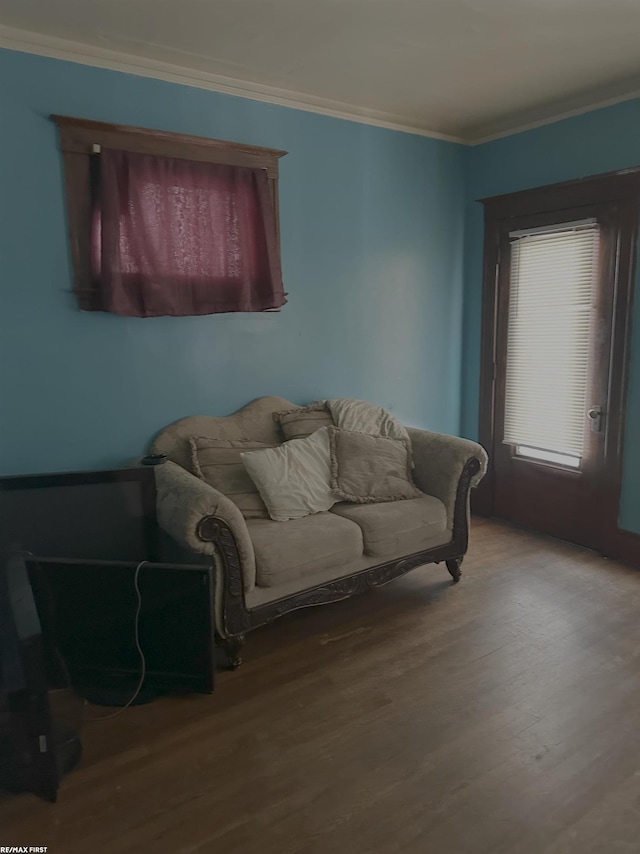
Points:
(94, 514)
(84, 534)
(104, 615)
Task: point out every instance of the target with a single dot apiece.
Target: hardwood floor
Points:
(499, 715)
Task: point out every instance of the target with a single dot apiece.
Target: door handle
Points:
(595, 415)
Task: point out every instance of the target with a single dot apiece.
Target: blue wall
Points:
(372, 236)
(600, 141)
(373, 223)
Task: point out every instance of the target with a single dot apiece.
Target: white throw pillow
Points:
(294, 479)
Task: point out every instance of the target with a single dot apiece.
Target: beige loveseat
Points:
(267, 568)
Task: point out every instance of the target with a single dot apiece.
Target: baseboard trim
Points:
(621, 545)
(481, 498)
(625, 547)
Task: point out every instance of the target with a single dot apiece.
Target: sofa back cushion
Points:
(218, 462)
(369, 469)
(254, 421)
(302, 421)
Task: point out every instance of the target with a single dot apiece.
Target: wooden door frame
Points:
(623, 189)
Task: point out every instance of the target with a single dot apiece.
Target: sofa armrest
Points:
(439, 462)
(184, 500)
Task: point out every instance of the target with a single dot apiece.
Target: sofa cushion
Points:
(369, 469)
(254, 421)
(293, 479)
(398, 527)
(288, 550)
(218, 462)
(361, 416)
(303, 421)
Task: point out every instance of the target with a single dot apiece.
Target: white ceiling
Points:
(467, 69)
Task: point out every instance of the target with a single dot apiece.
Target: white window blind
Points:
(553, 274)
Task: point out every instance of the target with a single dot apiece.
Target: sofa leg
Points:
(233, 647)
(454, 568)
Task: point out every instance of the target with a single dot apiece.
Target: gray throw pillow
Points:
(219, 463)
(369, 469)
(303, 421)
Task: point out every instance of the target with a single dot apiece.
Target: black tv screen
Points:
(91, 608)
(101, 514)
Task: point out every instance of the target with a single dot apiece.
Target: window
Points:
(553, 280)
(165, 224)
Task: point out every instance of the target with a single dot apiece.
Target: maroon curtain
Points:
(180, 237)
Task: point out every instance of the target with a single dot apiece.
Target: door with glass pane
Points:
(555, 295)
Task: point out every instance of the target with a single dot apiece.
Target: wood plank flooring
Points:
(499, 716)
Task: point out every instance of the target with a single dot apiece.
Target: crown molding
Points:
(82, 53)
(552, 119)
(53, 47)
